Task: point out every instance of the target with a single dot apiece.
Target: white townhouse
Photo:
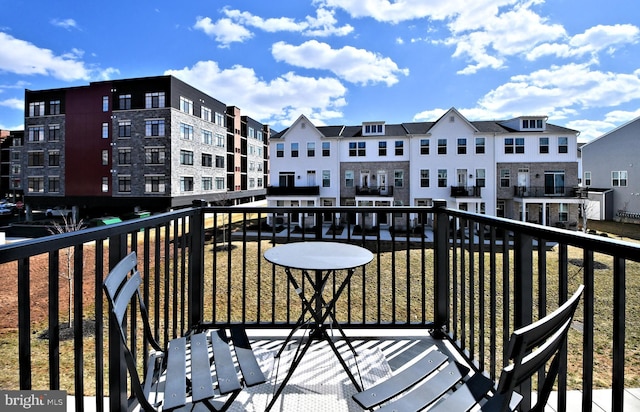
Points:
(522, 168)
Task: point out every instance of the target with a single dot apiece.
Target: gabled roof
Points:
(612, 131)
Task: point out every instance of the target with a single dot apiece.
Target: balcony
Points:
(542, 191)
(385, 191)
(293, 190)
(466, 191)
(469, 287)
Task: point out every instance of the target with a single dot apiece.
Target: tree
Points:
(586, 208)
(67, 226)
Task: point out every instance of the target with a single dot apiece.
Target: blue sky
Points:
(342, 61)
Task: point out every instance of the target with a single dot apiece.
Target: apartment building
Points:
(522, 168)
(153, 143)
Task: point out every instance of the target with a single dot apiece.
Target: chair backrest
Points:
(121, 286)
(533, 346)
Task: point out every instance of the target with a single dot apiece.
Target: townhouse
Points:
(522, 168)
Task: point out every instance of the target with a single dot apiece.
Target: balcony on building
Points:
(293, 190)
(466, 191)
(384, 191)
(546, 191)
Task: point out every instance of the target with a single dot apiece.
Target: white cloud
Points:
(351, 64)
(593, 40)
(13, 103)
(65, 23)
(21, 57)
(277, 102)
(225, 31)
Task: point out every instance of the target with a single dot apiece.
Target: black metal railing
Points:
(466, 191)
(470, 277)
(546, 191)
(374, 190)
(293, 190)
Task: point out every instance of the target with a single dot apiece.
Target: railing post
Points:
(117, 363)
(441, 267)
(196, 267)
(523, 295)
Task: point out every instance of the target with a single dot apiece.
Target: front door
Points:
(523, 177)
(462, 177)
(382, 182)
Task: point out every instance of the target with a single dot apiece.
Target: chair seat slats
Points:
(428, 391)
(201, 381)
(465, 397)
(386, 390)
(225, 369)
(176, 384)
(246, 359)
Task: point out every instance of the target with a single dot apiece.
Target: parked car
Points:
(61, 211)
(6, 210)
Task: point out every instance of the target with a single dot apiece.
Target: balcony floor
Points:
(320, 383)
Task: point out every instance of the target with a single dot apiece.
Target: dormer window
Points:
(372, 129)
(532, 124)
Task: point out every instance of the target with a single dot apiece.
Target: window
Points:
(382, 148)
(54, 107)
(54, 157)
(124, 184)
(186, 131)
(587, 178)
(554, 182)
(424, 178)
(442, 146)
(563, 145)
(480, 145)
(219, 140)
(219, 183)
(424, 146)
(154, 100)
(186, 184)
(186, 157)
(480, 178)
(35, 159)
(207, 183)
(154, 127)
(219, 119)
(205, 113)
(252, 132)
(326, 149)
(619, 178)
(563, 212)
(54, 184)
(54, 133)
(207, 160)
(124, 156)
(294, 149)
(105, 158)
(36, 134)
(207, 137)
(105, 103)
(124, 101)
(442, 177)
(279, 149)
(349, 178)
(462, 146)
(311, 149)
(399, 147)
(105, 184)
(357, 149)
(186, 105)
(105, 130)
(505, 178)
(373, 129)
(398, 178)
(35, 184)
(220, 162)
(154, 184)
(124, 128)
(154, 155)
(543, 144)
(326, 178)
(36, 109)
(512, 145)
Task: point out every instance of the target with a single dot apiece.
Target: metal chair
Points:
(449, 388)
(184, 372)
